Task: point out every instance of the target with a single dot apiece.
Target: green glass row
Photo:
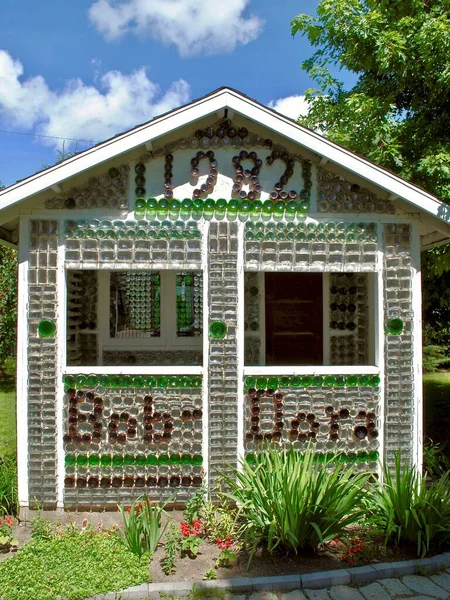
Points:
(322, 231)
(131, 381)
(118, 460)
(297, 381)
(349, 457)
(210, 207)
(142, 230)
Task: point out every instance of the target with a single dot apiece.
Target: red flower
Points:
(185, 529)
(224, 544)
(197, 527)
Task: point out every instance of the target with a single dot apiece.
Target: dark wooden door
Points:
(294, 316)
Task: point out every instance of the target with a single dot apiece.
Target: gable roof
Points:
(235, 102)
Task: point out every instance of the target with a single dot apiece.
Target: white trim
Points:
(61, 358)
(379, 343)
(22, 366)
(416, 333)
(112, 149)
(204, 227)
(312, 370)
(172, 370)
(240, 335)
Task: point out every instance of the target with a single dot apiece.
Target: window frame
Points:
(373, 326)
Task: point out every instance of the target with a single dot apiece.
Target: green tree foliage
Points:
(8, 302)
(398, 112)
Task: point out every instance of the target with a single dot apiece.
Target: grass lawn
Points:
(7, 422)
(436, 401)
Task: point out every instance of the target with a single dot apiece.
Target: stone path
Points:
(434, 585)
(413, 587)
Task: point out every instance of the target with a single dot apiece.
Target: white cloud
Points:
(291, 106)
(193, 26)
(81, 111)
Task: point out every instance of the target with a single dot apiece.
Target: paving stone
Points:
(442, 579)
(395, 587)
(374, 591)
(383, 570)
(263, 596)
(424, 585)
(362, 574)
(287, 583)
(325, 579)
(343, 592)
(317, 594)
(235, 597)
(294, 595)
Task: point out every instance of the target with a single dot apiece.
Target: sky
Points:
(74, 73)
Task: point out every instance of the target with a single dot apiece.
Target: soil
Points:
(189, 569)
(263, 564)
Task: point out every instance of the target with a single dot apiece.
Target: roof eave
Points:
(214, 103)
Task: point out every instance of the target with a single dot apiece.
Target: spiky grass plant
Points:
(291, 500)
(409, 510)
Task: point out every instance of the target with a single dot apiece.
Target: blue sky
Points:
(92, 68)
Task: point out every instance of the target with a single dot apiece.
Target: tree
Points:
(8, 301)
(398, 112)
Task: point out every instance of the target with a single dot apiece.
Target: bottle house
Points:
(215, 280)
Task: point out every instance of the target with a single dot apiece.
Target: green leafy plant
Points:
(410, 511)
(210, 575)
(220, 520)
(9, 503)
(289, 499)
(42, 529)
(72, 564)
(190, 545)
(194, 507)
(142, 524)
(172, 545)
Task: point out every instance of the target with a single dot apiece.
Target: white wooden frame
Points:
(22, 365)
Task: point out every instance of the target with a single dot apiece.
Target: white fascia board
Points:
(110, 149)
(339, 155)
(248, 108)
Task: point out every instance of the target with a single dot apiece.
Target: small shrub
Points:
(9, 503)
(289, 499)
(410, 511)
(10, 366)
(435, 357)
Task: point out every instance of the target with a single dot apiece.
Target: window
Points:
(154, 317)
(309, 319)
